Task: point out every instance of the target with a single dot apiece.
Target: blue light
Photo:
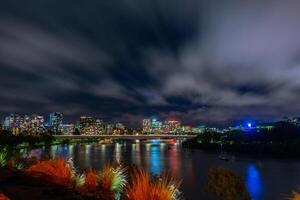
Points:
(155, 160)
(249, 124)
(254, 182)
(155, 142)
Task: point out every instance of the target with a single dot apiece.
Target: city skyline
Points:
(139, 124)
(93, 125)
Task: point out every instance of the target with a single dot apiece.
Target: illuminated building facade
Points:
(36, 124)
(172, 126)
(16, 123)
(55, 121)
(156, 126)
(67, 129)
(146, 125)
(120, 126)
(90, 126)
(109, 128)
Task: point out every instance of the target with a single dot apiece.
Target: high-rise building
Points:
(36, 124)
(109, 129)
(16, 123)
(171, 126)
(67, 129)
(120, 126)
(55, 121)
(90, 125)
(156, 126)
(146, 125)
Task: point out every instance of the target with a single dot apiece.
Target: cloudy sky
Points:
(209, 61)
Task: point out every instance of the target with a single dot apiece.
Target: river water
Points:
(265, 178)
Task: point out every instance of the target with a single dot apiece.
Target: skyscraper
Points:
(156, 126)
(67, 129)
(16, 123)
(36, 124)
(90, 125)
(120, 126)
(172, 126)
(146, 125)
(55, 121)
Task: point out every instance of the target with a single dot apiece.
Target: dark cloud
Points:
(201, 61)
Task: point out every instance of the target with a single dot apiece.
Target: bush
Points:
(226, 185)
(90, 180)
(54, 171)
(142, 187)
(295, 196)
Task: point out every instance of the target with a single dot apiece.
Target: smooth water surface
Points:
(266, 179)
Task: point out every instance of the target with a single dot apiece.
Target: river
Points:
(265, 178)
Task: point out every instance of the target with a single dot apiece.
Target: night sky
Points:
(213, 62)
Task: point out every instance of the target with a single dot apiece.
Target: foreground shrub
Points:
(112, 179)
(142, 187)
(295, 196)
(3, 158)
(3, 197)
(90, 180)
(78, 180)
(55, 171)
(226, 185)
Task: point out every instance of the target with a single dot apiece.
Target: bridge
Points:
(126, 137)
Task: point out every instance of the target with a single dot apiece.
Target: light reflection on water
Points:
(155, 159)
(254, 182)
(189, 165)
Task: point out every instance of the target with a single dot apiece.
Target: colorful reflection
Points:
(173, 162)
(254, 182)
(155, 165)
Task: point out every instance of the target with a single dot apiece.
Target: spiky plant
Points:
(144, 188)
(170, 185)
(140, 185)
(90, 180)
(119, 179)
(295, 196)
(3, 158)
(78, 180)
(18, 165)
(71, 166)
(3, 197)
(56, 171)
(112, 179)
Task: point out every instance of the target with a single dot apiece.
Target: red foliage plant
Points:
(90, 180)
(3, 197)
(105, 178)
(10, 163)
(55, 171)
(143, 188)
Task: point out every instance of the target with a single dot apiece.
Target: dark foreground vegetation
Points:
(282, 140)
(25, 140)
(59, 179)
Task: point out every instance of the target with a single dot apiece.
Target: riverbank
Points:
(17, 185)
(59, 179)
(283, 150)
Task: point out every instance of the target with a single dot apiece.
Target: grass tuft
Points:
(55, 171)
(144, 188)
(3, 158)
(90, 180)
(295, 196)
(78, 180)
